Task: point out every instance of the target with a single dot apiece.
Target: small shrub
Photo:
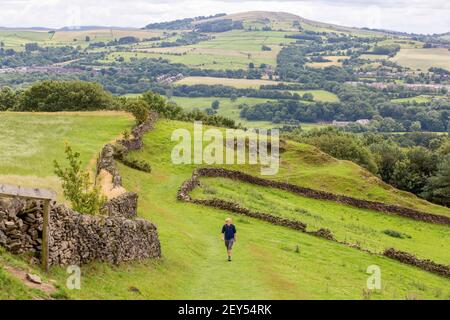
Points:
(139, 108)
(140, 165)
(84, 197)
(395, 234)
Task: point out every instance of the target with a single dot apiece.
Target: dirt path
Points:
(21, 275)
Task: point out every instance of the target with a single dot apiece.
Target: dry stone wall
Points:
(410, 259)
(124, 205)
(20, 226)
(106, 160)
(75, 238)
(136, 141)
(322, 195)
(78, 239)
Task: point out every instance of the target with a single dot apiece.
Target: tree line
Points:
(414, 162)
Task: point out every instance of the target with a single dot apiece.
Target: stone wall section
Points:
(316, 194)
(76, 239)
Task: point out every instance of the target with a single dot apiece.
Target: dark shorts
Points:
(229, 244)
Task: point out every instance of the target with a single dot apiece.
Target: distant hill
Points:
(258, 19)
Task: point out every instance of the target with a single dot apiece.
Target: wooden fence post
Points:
(45, 235)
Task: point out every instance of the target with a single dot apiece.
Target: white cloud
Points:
(404, 15)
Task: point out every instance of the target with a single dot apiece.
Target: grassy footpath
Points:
(266, 264)
(369, 229)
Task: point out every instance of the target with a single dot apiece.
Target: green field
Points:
(16, 39)
(237, 83)
(28, 154)
(423, 59)
(227, 108)
(231, 109)
(355, 226)
(269, 261)
(418, 99)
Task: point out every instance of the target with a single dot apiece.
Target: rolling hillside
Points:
(266, 261)
(315, 72)
(272, 262)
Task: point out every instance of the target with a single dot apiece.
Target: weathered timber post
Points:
(44, 195)
(45, 236)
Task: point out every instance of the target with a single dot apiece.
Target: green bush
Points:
(76, 185)
(395, 234)
(54, 96)
(340, 145)
(139, 108)
(7, 98)
(140, 165)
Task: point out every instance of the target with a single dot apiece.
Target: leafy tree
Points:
(415, 126)
(340, 145)
(155, 101)
(412, 173)
(215, 104)
(139, 108)
(438, 186)
(308, 97)
(30, 47)
(7, 98)
(386, 155)
(76, 184)
(65, 96)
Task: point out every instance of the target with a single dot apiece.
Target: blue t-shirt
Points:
(229, 231)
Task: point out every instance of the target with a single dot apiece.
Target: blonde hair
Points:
(228, 220)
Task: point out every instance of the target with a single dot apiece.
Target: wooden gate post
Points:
(45, 234)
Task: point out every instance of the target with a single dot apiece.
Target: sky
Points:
(418, 16)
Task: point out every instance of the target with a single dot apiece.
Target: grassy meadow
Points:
(31, 141)
(423, 59)
(369, 229)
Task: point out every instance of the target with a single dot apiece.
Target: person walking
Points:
(229, 236)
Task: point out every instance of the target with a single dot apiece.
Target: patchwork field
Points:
(16, 39)
(232, 50)
(423, 59)
(227, 107)
(374, 56)
(237, 83)
(418, 99)
(334, 61)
